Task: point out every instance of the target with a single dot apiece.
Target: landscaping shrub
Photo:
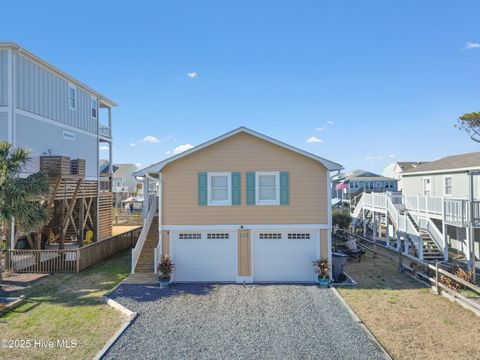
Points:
(341, 219)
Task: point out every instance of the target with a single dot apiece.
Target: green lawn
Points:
(67, 307)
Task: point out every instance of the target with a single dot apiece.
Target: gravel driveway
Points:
(207, 321)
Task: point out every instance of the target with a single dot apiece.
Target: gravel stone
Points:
(212, 321)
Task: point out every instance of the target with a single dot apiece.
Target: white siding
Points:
(3, 78)
(4, 125)
(40, 137)
(413, 185)
(41, 92)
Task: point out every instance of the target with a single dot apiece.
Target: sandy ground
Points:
(407, 318)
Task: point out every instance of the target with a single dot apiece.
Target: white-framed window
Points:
(189, 236)
(93, 107)
(67, 135)
(427, 186)
(447, 189)
(72, 97)
(219, 189)
(267, 190)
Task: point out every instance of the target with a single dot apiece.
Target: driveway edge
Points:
(362, 325)
(119, 307)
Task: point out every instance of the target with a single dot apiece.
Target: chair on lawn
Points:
(351, 249)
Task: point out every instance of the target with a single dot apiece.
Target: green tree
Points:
(341, 219)
(470, 123)
(20, 197)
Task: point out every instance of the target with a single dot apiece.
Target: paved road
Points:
(205, 321)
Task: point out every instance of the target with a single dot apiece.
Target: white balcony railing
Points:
(104, 131)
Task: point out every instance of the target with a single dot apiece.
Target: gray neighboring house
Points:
(395, 170)
(438, 211)
(50, 112)
(362, 180)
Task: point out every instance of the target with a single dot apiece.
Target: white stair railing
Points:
(358, 207)
(427, 225)
(137, 250)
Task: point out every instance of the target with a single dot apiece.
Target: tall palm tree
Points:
(20, 197)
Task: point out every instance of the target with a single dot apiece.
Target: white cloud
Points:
(103, 147)
(330, 122)
(132, 144)
(168, 152)
(182, 148)
(150, 139)
(192, 75)
(320, 128)
(472, 45)
(392, 156)
(313, 140)
(373, 157)
(138, 164)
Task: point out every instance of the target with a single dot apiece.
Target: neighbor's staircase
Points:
(427, 232)
(146, 258)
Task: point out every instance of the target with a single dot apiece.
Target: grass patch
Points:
(67, 307)
(407, 318)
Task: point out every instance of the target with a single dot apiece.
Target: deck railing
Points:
(68, 260)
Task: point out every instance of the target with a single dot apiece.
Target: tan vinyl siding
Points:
(244, 244)
(324, 243)
(165, 242)
(244, 152)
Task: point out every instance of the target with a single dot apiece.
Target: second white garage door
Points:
(204, 256)
(284, 256)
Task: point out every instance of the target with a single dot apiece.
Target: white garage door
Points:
(204, 255)
(284, 256)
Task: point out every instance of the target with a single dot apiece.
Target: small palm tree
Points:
(20, 197)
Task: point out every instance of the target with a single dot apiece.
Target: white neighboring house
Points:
(395, 170)
(438, 211)
(123, 180)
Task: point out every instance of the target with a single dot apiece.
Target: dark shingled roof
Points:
(453, 162)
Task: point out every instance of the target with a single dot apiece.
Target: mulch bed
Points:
(16, 282)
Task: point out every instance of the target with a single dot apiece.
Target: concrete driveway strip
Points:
(212, 321)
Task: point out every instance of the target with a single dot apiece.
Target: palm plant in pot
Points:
(165, 269)
(322, 269)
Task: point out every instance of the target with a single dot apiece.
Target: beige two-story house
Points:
(242, 207)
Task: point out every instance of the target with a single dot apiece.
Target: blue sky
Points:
(374, 81)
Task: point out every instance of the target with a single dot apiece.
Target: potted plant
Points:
(322, 269)
(165, 269)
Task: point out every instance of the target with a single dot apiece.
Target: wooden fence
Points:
(71, 260)
(435, 275)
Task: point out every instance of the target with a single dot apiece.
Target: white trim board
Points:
(155, 168)
(246, 227)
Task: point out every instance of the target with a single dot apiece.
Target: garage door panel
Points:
(284, 258)
(210, 256)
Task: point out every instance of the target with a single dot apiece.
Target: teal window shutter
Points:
(250, 188)
(284, 188)
(236, 200)
(202, 189)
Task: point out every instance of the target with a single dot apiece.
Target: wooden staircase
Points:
(146, 259)
(431, 252)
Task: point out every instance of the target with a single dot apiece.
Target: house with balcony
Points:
(437, 215)
(64, 123)
(359, 181)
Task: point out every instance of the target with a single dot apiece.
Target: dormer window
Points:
(72, 97)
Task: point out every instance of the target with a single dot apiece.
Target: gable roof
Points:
(57, 71)
(468, 161)
(155, 168)
(363, 175)
(407, 165)
(121, 170)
